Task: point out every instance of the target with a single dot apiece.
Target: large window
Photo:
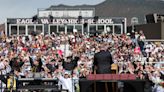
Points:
(92, 29)
(61, 28)
(53, 29)
(14, 30)
(100, 29)
(30, 29)
(109, 29)
(69, 29)
(85, 26)
(22, 30)
(117, 29)
(79, 28)
(39, 29)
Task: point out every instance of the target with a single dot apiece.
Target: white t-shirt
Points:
(67, 83)
(4, 70)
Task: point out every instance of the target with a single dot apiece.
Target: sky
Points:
(28, 8)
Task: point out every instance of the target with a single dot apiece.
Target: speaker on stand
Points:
(151, 18)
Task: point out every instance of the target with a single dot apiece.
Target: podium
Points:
(113, 77)
(114, 70)
(131, 84)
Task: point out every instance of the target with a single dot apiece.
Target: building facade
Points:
(66, 20)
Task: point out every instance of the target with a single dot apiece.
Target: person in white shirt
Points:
(4, 69)
(3, 64)
(156, 79)
(66, 82)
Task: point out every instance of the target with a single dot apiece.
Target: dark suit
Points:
(103, 61)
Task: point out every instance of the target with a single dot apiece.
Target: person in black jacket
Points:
(103, 60)
(102, 65)
(16, 64)
(70, 63)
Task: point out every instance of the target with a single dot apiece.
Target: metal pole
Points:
(125, 25)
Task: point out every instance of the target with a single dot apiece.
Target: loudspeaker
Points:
(151, 18)
(79, 19)
(95, 19)
(160, 18)
(35, 18)
(51, 18)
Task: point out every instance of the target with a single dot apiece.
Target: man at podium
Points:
(103, 60)
(102, 65)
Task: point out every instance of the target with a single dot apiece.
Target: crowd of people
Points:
(73, 54)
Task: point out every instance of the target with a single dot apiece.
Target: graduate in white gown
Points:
(67, 82)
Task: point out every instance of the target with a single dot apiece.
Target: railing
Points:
(154, 40)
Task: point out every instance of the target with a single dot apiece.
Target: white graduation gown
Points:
(67, 83)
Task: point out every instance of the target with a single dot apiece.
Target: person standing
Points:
(103, 60)
(4, 70)
(66, 81)
(102, 65)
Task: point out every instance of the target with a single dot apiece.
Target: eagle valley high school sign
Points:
(64, 21)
